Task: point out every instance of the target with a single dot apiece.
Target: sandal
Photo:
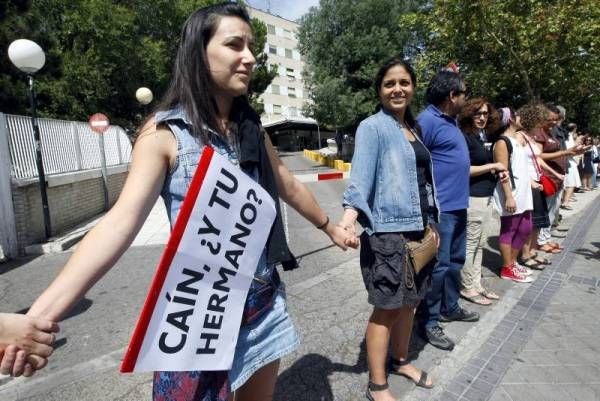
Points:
(478, 299)
(555, 245)
(566, 207)
(541, 260)
(549, 249)
(489, 294)
(396, 364)
(375, 387)
(531, 263)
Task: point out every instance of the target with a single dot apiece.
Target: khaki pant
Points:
(480, 216)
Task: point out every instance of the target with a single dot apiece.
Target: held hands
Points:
(503, 176)
(497, 168)
(510, 205)
(537, 185)
(340, 236)
(25, 343)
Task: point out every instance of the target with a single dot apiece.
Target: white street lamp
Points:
(29, 57)
(26, 55)
(144, 95)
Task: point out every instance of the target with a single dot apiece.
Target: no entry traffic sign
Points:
(99, 123)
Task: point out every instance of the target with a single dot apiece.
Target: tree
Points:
(99, 52)
(517, 51)
(343, 43)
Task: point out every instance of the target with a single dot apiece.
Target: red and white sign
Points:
(99, 123)
(191, 318)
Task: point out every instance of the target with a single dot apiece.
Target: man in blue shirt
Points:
(446, 95)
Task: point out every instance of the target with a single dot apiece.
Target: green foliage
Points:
(98, 53)
(343, 43)
(515, 51)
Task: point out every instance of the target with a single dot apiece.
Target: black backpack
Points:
(510, 151)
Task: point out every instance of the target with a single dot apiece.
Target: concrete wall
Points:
(8, 238)
(73, 198)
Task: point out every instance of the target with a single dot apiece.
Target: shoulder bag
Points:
(549, 186)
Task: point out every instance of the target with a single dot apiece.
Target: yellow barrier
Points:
(329, 161)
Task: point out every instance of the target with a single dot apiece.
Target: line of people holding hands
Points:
(439, 172)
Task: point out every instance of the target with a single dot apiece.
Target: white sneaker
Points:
(524, 270)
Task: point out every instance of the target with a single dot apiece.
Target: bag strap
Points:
(537, 166)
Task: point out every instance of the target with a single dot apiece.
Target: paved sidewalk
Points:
(546, 347)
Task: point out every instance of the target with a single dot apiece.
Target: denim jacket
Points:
(383, 182)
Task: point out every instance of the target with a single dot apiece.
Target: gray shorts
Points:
(389, 280)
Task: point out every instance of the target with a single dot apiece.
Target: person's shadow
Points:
(308, 378)
(589, 253)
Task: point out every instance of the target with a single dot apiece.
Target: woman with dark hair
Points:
(393, 208)
(479, 122)
(586, 163)
(206, 104)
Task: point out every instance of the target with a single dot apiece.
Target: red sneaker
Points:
(511, 273)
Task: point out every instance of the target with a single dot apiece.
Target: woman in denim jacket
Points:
(391, 194)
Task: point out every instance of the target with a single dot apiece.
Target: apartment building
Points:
(285, 97)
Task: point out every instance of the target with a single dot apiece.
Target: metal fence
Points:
(67, 146)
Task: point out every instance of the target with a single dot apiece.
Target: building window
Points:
(276, 109)
(271, 29)
(272, 49)
(293, 112)
(289, 72)
(287, 33)
(275, 89)
(291, 91)
(288, 53)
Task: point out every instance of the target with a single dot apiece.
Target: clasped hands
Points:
(25, 343)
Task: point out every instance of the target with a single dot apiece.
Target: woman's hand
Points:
(510, 205)
(436, 235)
(339, 236)
(32, 335)
(537, 185)
(497, 167)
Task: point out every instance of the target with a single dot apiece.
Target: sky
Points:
(289, 9)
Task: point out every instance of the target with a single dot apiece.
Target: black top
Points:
(423, 163)
(482, 185)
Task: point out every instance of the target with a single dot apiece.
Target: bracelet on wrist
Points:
(322, 226)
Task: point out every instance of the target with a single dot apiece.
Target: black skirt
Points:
(540, 209)
(389, 280)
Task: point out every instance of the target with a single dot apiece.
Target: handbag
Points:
(549, 186)
(420, 253)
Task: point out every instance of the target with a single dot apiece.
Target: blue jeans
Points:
(445, 280)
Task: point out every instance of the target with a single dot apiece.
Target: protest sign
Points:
(192, 314)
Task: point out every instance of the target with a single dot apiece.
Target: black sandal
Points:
(532, 263)
(375, 387)
(396, 363)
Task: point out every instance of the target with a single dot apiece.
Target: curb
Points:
(64, 242)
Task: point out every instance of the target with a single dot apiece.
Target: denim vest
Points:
(383, 183)
(178, 179)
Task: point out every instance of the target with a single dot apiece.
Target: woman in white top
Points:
(572, 179)
(513, 199)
